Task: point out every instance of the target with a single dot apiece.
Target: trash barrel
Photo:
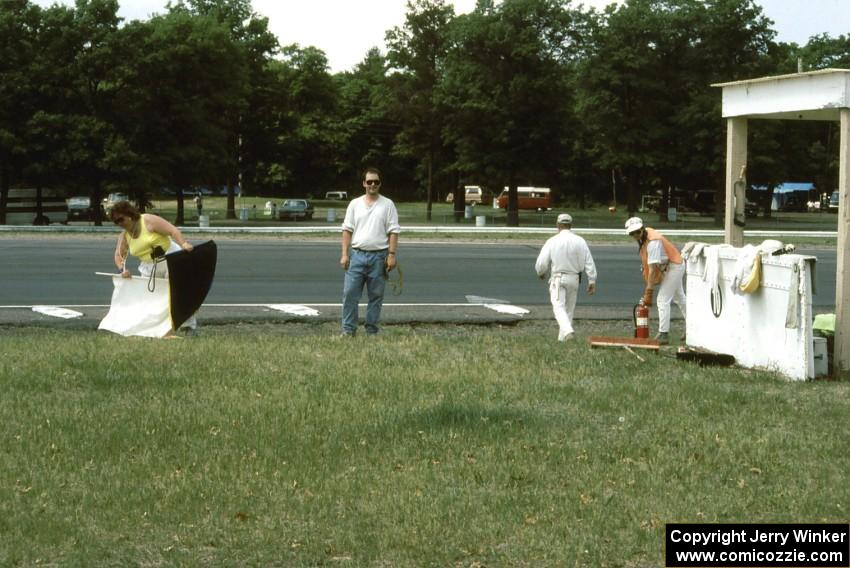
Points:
(672, 214)
(468, 212)
(480, 220)
(331, 215)
(204, 221)
(243, 213)
(821, 356)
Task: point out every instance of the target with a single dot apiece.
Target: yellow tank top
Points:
(143, 245)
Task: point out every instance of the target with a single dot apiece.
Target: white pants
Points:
(134, 310)
(671, 290)
(563, 290)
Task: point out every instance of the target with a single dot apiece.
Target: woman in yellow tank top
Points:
(142, 235)
(146, 237)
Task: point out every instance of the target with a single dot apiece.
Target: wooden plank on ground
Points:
(633, 342)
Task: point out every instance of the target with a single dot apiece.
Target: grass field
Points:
(432, 445)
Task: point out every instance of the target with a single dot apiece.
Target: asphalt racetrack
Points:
(439, 278)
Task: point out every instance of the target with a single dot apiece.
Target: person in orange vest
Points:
(664, 269)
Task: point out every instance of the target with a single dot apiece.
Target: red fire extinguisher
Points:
(640, 314)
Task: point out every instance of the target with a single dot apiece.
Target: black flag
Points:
(190, 276)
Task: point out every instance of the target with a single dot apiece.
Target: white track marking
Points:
(57, 312)
(294, 309)
(507, 309)
(503, 308)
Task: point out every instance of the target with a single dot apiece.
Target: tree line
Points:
(519, 92)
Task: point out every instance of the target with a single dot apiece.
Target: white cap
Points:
(634, 224)
(565, 219)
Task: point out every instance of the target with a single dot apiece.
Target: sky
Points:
(346, 29)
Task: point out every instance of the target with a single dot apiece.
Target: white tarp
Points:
(137, 311)
(770, 328)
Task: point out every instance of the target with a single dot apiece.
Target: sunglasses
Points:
(373, 182)
(118, 220)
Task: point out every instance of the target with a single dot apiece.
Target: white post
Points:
(841, 356)
(736, 160)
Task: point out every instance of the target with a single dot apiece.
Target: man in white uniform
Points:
(563, 258)
(369, 244)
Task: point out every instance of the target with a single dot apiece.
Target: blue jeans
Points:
(364, 268)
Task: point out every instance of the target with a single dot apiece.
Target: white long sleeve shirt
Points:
(566, 252)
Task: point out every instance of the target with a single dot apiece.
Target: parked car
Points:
(833, 202)
(795, 204)
(80, 209)
(296, 209)
(702, 201)
(475, 194)
(336, 195)
(112, 199)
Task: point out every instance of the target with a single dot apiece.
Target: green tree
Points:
(417, 52)
(19, 24)
(309, 131)
(253, 115)
(646, 81)
(187, 81)
(72, 134)
(822, 52)
(507, 92)
(733, 41)
(370, 125)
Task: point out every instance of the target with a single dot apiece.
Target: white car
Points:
(833, 202)
(112, 199)
(472, 195)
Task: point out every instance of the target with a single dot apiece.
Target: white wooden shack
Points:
(815, 95)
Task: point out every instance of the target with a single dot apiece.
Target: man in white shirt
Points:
(563, 258)
(369, 245)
